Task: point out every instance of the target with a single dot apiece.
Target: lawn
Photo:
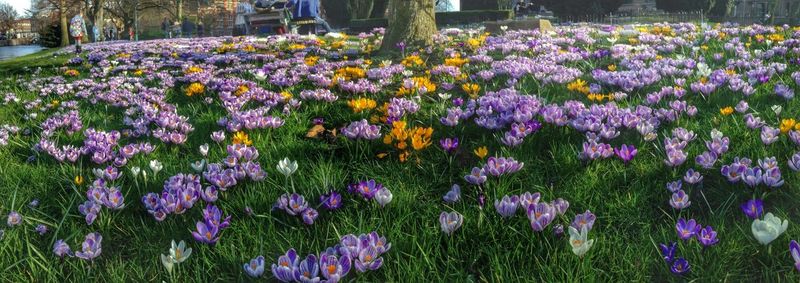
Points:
(559, 104)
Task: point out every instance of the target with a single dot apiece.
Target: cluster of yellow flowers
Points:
(286, 95)
(361, 104)
(72, 73)
(455, 61)
(471, 89)
(599, 97)
(249, 48)
(662, 30)
(225, 47)
(420, 138)
(412, 61)
(422, 85)
(138, 72)
(242, 89)
(195, 88)
(192, 70)
(242, 138)
(311, 60)
(789, 124)
(124, 55)
(295, 47)
(725, 111)
(579, 86)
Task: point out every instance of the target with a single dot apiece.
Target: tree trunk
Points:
(412, 22)
(62, 15)
(179, 9)
(360, 9)
(98, 20)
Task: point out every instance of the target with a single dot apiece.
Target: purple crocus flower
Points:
(752, 177)
(753, 208)
(540, 215)
(687, 229)
(331, 201)
(794, 250)
(668, 251)
(206, 233)
(626, 152)
(558, 230)
(449, 144)
(218, 136)
(675, 157)
(366, 189)
(368, 259)
(41, 229)
(13, 219)
(453, 195)
(507, 207)
(692, 177)
(333, 268)
(585, 219)
(61, 249)
(91, 247)
(255, 268)
(679, 200)
(784, 91)
(772, 177)
(309, 215)
(675, 186)
(308, 270)
(287, 264)
(707, 237)
(706, 159)
(560, 206)
(794, 162)
(476, 177)
(450, 222)
(297, 204)
(526, 199)
(680, 266)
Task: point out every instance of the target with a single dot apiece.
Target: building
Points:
(638, 6)
(760, 8)
(23, 28)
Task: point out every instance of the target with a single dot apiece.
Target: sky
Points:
(20, 5)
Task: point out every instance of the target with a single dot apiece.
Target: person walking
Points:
(201, 30)
(303, 10)
(186, 27)
(243, 9)
(77, 29)
(165, 28)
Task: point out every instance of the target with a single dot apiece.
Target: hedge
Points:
(442, 19)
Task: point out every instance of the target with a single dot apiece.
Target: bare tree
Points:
(8, 15)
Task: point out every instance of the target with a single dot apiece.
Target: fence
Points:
(621, 19)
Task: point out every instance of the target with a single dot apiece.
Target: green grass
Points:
(630, 202)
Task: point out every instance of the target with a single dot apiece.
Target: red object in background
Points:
(280, 30)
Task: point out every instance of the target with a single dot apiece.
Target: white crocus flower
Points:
(204, 150)
(716, 134)
(135, 170)
(198, 165)
(703, 70)
(579, 240)
(383, 197)
(167, 262)
(444, 95)
(287, 167)
(777, 109)
(768, 229)
(179, 253)
(98, 173)
(156, 166)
